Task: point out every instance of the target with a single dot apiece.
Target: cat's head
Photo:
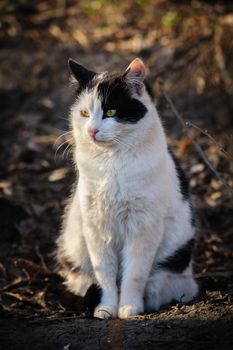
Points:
(110, 108)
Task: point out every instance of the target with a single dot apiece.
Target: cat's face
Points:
(109, 108)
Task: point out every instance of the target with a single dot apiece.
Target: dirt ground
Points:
(189, 46)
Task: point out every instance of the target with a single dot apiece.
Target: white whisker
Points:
(63, 135)
(59, 147)
(121, 142)
(64, 152)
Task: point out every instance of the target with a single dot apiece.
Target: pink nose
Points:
(93, 132)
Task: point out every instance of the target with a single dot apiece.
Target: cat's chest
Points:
(102, 206)
(112, 205)
(112, 182)
(117, 192)
(105, 191)
(116, 176)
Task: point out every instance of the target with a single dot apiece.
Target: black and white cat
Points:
(129, 226)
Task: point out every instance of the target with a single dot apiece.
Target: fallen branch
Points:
(213, 274)
(195, 144)
(206, 133)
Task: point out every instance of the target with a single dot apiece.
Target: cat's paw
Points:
(105, 311)
(129, 310)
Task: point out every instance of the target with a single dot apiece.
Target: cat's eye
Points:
(111, 113)
(85, 114)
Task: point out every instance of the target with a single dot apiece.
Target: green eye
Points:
(111, 113)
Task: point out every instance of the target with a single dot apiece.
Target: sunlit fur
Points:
(127, 212)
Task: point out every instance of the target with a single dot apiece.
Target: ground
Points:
(189, 48)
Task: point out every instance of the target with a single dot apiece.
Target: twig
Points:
(14, 283)
(195, 144)
(214, 274)
(206, 133)
(40, 256)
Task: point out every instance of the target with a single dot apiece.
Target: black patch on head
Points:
(180, 260)
(184, 184)
(116, 94)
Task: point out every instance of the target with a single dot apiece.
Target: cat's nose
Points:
(93, 132)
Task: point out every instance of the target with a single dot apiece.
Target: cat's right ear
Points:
(81, 74)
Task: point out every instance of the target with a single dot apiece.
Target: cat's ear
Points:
(135, 75)
(81, 74)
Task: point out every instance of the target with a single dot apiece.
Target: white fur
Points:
(126, 213)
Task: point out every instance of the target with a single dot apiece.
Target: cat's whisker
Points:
(104, 94)
(107, 93)
(59, 147)
(65, 151)
(60, 130)
(69, 151)
(121, 142)
(62, 144)
(63, 135)
(63, 118)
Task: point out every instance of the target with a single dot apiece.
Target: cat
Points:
(129, 226)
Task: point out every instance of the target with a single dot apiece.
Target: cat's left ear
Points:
(135, 75)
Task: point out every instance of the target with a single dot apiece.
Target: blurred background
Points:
(188, 45)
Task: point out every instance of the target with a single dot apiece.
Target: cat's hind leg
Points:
(171, 277)
(165, 286)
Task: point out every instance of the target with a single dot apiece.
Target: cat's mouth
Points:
(102, 142)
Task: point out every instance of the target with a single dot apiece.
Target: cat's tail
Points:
(77, 280)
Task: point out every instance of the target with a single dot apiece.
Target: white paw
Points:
(105, 311)
(126, 311)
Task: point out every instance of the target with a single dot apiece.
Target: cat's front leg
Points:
(138, 256)
(104, 262)
(72, 255)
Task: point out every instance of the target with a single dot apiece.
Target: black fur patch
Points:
(115, 94)
(180, 260)
(84, 76)
(184, 185)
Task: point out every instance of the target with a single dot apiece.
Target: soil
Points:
(190, 52)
